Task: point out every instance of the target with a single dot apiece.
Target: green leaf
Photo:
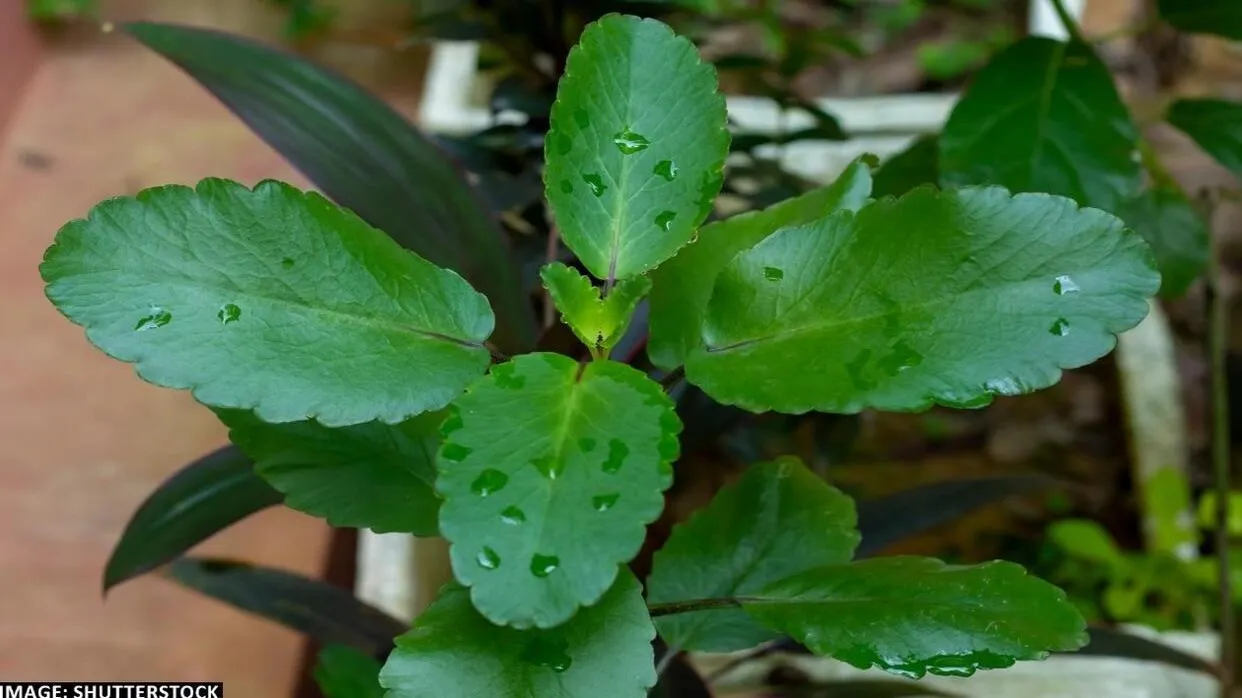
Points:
(681, 288)
(1044, 116)
(913, 616)
(636, 147)
(1215, 124)
(268, 299)
(918, 164)
(1176, 232)
(374, 475)
(359, 152)
(198, 501)
(935, 298)
(1219, 17)
(778, 520)
(328, 614)
(599, 323)
(59, 10)
(550, 472)
(344, 672)
(605, 650)
(1088, 541)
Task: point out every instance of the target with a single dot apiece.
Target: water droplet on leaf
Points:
(773, 274)
(629, 142)
(1060, 328)
(488, 559)
(550, 466)
(287, 262)
(489, 482)
(229, 313)
(549, 652)
(544, 565)
(604, 502)
(155, 317)
(617, 451)
(666, 169)
(596, 183)
(665, 220)
(513, 516)
(1064, 285)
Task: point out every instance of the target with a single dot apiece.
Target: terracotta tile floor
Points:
(82, 440)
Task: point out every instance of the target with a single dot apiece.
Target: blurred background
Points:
(86, 113)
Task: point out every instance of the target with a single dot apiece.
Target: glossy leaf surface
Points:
(361, 153)
(268, 299)
(1176, 232)
(598, 322)
(1044, 116)
(1204, 16)
(198, 501)
(778, 520)
(1215, 124)
(344, 672)
(328, 614)
(636, 146)
(374, 475)
(938, 297)
(550, 472)
(681, 288)
(454, 652)
(913, 616)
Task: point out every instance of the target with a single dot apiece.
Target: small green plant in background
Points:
(377, 389)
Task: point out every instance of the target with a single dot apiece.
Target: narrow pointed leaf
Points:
(344, 672)
(778, 520)
(935, 298)
(1176, 232)
(361, 153)
(1215, 124)
(887, 520)
(914, 616)
(918, 164)
(1219, 17)
(268, 299)
(681, 288)
(1107, 642)
(198, 501)
(374, 475)
(327, 614)
(599, 322)
(544, 454)
(636, 147)
(454, 652)
(1044, 116)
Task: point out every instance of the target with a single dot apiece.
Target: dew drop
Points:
(229, 313)
(567, 186)
(550, 467)
(1004, 386)
(544, 565)
(586, 444)
(665, 220)
(694, 238)
(596, 183)
(582, 118)
(1060, 328)
(454, 452)
(548, 652)
(513, 516)
(488, 559)
(629, 142)
(155, 317)
(287, 263)
(666, 169)
(1064, 285)
(489, 482)
(604, 502)
(773, 274)
(617, 451)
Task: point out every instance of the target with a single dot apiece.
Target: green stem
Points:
(1217, 338)
(1068, 20)
(675, 607)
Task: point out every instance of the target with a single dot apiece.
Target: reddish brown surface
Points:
(19, 56)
